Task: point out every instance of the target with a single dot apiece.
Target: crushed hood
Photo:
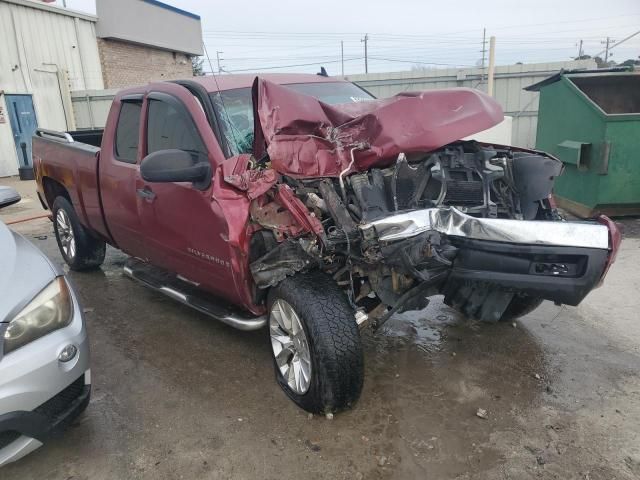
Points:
(306, 137)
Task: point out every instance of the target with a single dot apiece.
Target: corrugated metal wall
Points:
(509, 83)
(91, 107)
(46, 52)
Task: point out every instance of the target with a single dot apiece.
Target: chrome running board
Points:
(184, 292)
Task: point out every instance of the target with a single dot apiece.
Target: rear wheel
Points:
(316, 343)
(79, 249)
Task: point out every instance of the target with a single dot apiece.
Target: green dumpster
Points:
(591, 122)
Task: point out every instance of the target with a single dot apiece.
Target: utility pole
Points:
(366, 57)
(580, 50)
(342, 55)
(484, 53)
(606, 49)
(492, 64)
(484, 46)
(219, 59)
(615, 44)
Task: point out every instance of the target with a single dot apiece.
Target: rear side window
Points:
(169, 128)
(127, 131)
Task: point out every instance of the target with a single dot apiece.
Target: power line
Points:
(291, 66)
(453, 51)
(616, 44)
(421, 63)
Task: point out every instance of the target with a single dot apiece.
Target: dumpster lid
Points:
(614, 91)
(556, 76)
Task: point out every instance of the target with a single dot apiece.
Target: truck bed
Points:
(90, 137)
(72, 159)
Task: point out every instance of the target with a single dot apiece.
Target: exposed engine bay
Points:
(384, 197)
(362, 228)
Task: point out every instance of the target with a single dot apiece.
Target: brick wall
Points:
(125, 64)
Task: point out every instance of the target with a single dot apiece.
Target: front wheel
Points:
(316, 343)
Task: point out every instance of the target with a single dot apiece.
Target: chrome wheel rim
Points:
(290, 346)
(65, 234)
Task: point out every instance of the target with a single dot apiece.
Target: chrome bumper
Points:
(452, 222)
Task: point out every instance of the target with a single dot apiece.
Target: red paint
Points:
(308, 138)
(615, 239)
(300, 213)
(255, 182)
(75, 170)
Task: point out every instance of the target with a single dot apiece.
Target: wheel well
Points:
(53, 189)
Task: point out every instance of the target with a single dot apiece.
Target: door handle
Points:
(146, 193)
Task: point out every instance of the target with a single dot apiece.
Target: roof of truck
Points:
(231, 81)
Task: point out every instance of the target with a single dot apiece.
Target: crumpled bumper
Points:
(558, 261)
(452, 222)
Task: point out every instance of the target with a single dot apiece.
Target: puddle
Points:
(426, 329)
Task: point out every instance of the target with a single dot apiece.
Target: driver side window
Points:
(172, 128)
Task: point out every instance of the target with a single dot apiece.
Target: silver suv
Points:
(45, 381)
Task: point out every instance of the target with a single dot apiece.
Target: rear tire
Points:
(79, 249)
(329, 351)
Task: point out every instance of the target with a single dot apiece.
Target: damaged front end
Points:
(397, 219)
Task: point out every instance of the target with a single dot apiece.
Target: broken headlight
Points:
(50, 310)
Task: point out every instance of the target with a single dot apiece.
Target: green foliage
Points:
(631, 62)
(196, 66)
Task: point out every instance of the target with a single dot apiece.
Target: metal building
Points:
(45, 52)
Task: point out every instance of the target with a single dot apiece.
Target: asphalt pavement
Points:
(178, 395)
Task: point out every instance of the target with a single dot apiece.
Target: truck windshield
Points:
(235, 109)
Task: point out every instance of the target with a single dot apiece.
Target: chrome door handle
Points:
(146, 193)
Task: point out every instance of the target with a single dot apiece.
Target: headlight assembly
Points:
(50, 310)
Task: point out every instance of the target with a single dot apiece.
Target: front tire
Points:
(316, 343)
(79, 249)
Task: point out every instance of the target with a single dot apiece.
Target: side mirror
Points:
(8, 196)
(175, 166)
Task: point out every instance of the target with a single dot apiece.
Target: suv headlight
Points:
(50, 310)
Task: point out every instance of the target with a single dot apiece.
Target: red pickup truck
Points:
(303, 203)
